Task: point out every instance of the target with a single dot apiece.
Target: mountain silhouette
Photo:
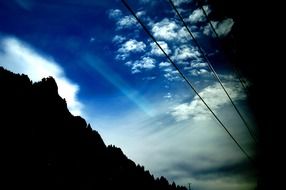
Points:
(36, 124)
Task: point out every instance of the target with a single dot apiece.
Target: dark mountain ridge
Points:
(35, 123)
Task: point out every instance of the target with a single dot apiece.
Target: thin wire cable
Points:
(188, 82)
(221, 47)
(213, 71)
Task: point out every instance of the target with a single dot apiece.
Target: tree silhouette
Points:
(36, 122)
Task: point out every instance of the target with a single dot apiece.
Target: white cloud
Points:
(20, 58)
(123, 22)
(187, 68)
(155, 50)
(198, 72)
(121, 56)
(118, 39)
(149, 78)
(184, 36)
(184, 52)
(146, 63)
(128, 47)
(140, 13)
(203, 71)
(114, 13)
(126, 22)
(222, 28)
(179, 2)
(164, 64)
(132, 46)
(128, 63)
(213, 96)
(171, 74)
(198, 64)
(197, 67)
(168, 95)
(183, 111)
(198, 15)
(92, 39)
(165, 29)
(169, 30)
(169, 69)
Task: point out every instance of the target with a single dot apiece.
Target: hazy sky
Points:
(114, 76)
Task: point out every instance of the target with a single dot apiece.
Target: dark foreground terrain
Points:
(36, 125)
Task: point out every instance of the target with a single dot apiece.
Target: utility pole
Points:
(189, 186)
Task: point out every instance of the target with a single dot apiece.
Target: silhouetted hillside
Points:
(35, 124)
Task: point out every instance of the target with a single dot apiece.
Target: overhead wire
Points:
(213, 71)
(236, 70)
(187, 80)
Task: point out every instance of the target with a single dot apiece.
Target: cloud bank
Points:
(213, 96)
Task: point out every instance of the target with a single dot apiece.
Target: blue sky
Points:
(114, 76)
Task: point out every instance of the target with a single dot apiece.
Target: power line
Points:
(183, 76)
(209, 21)
(214, 72)
(221, 47)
